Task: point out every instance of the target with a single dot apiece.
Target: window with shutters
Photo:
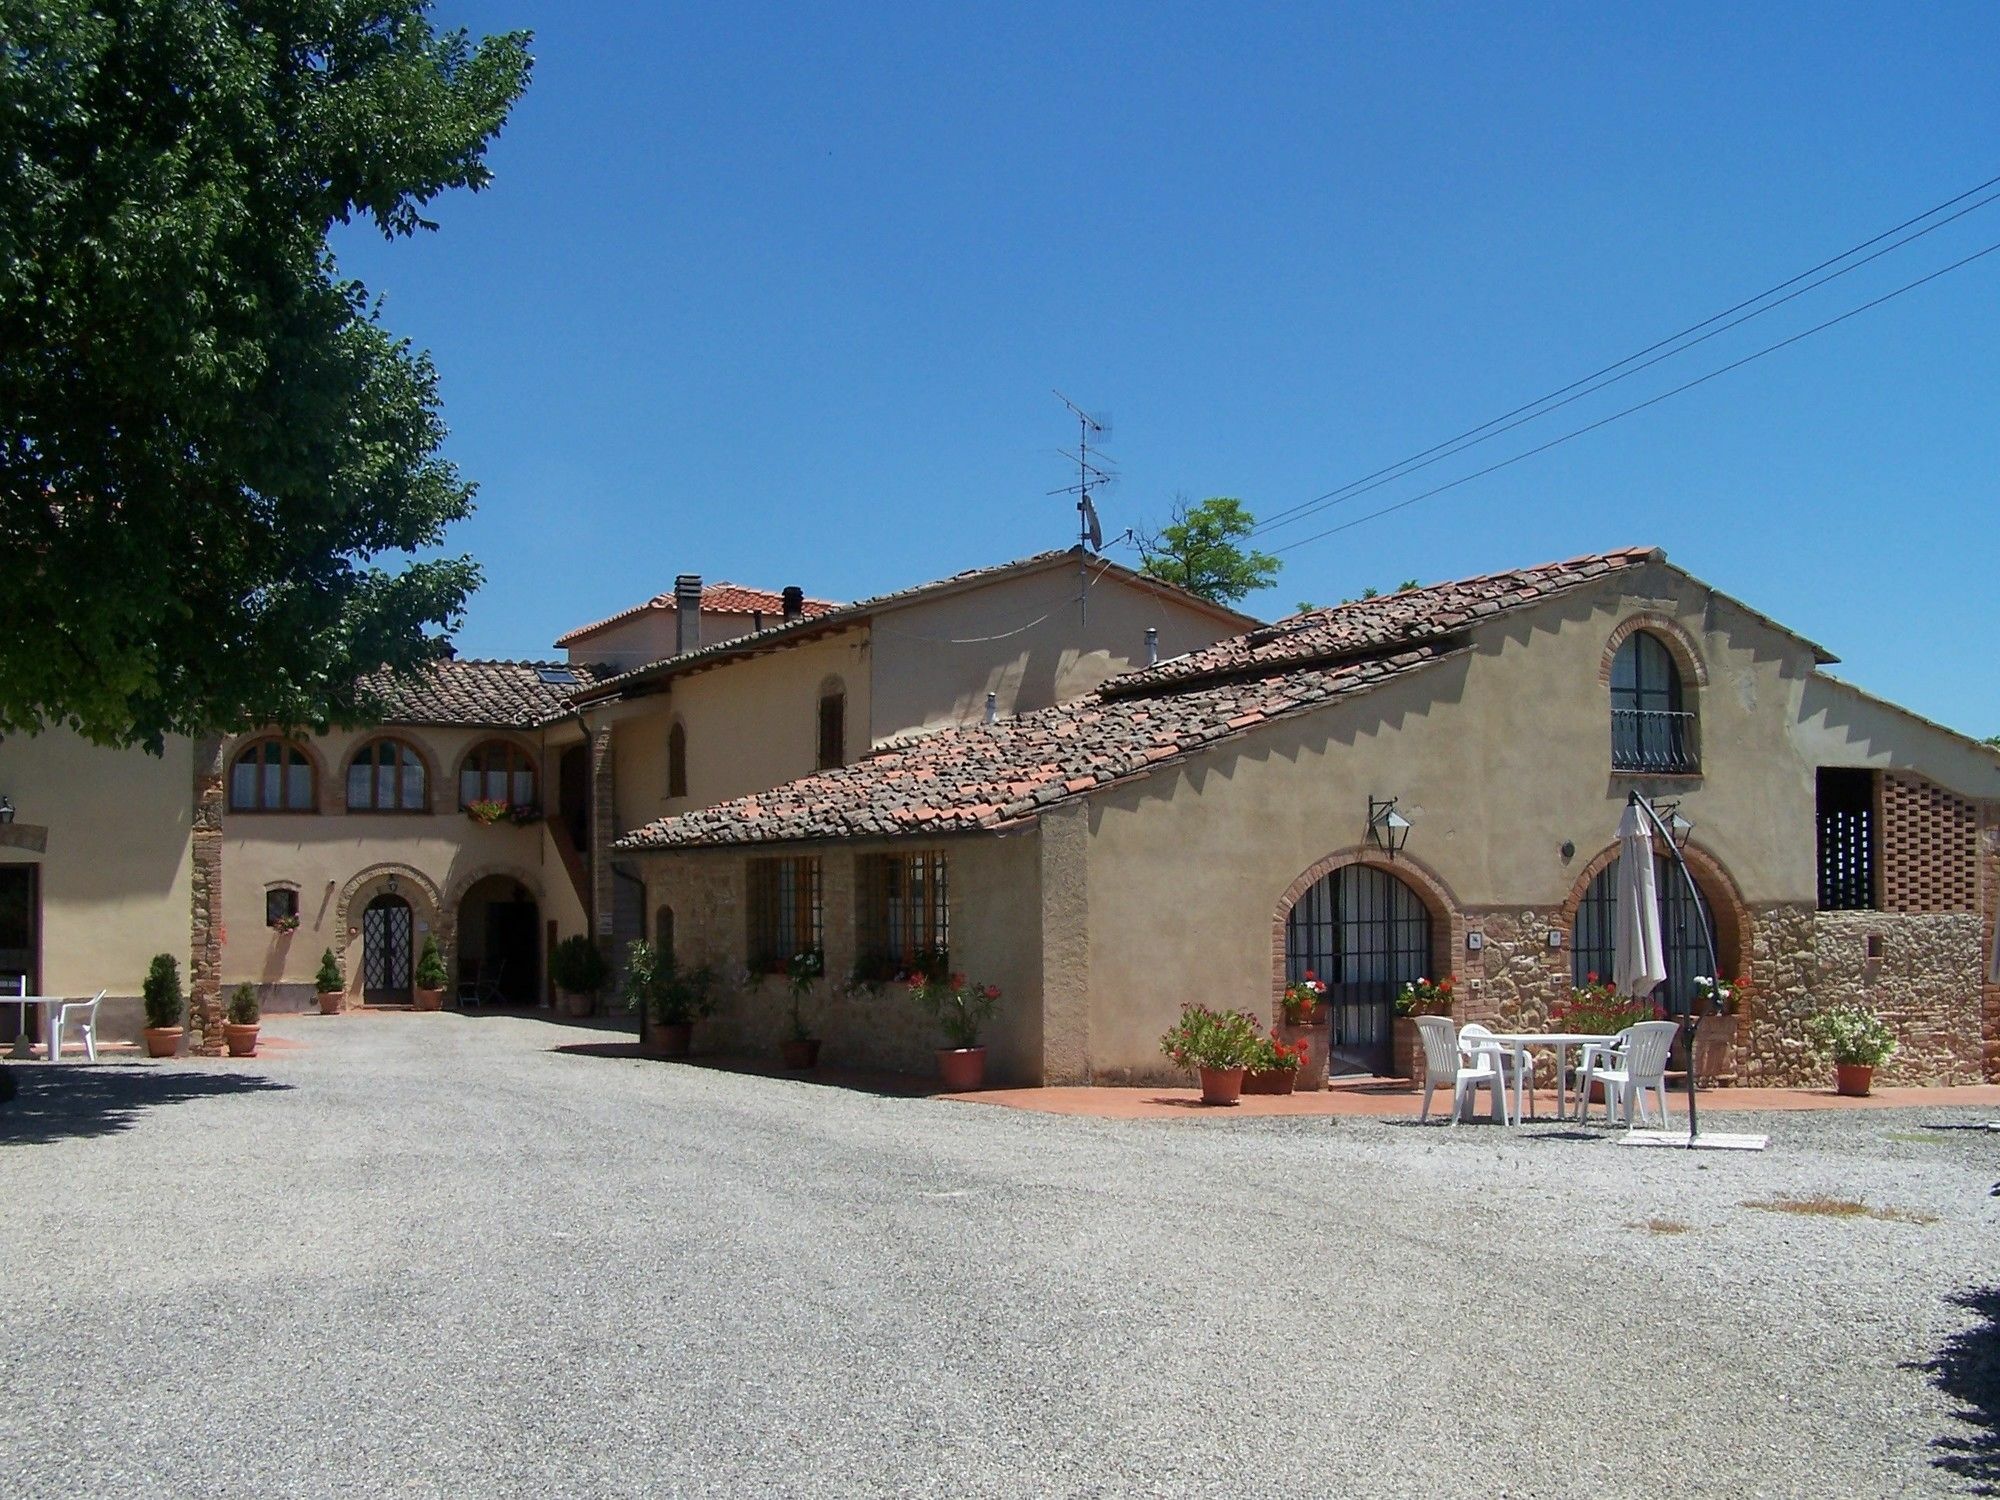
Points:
(832, 724)
(677, 760)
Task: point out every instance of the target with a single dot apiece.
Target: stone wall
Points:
(1925, 982)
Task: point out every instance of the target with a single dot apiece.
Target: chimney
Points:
(687, 612)
(1152, 645)
(795, 601)
(992, 707)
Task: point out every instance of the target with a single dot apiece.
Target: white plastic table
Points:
(23, 1048)
(1518, 1042)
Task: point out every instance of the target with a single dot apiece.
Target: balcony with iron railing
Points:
(1655, 742)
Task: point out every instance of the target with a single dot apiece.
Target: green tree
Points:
(215, 462)
(1200, 548)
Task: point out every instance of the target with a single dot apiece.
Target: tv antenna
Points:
(1093, 472)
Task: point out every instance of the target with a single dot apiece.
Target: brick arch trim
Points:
(1733, 925)
(1683, 647)
(461, 885)
(1447, 916)
(420, 886)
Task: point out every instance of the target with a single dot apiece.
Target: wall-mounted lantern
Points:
(390, 885)
(6, 809)
(1679, 827)
(1388, 830)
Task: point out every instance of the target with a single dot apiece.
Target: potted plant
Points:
(1860, 1043)
(431, 977)
(671, 998)
(329, 984)
(1419, 997)
(1217, 1044)
(286, 925)
(801, 1048)
(165, 1007)
(1304, 1002)
(1715, 1006)
(239, 1027)
(579, 972)
(1275, 1068)
(961, 1010)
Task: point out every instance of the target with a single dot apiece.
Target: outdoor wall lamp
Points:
(6, 809)
(1388, 830)
(1678, 826)
(390, 886)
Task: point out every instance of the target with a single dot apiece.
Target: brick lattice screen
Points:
(1930, 847)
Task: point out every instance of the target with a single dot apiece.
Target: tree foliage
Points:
(1201, 549)
(215, 461)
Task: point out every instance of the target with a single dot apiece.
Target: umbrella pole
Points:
(1707, 937)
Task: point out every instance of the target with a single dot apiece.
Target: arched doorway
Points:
(386, 936)
(499, 943)
(1365, 934)
(1687, 925)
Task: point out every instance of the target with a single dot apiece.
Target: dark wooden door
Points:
(385, 951)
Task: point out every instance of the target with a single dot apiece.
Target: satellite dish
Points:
(1090, 524)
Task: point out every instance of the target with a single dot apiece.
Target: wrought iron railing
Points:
(1655, 740)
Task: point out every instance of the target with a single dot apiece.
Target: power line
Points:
(1473, 436)
(1650, 401)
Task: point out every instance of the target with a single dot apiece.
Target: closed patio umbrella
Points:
(1639, 959)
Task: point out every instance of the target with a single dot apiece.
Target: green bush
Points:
(162, 991)
(329, 977)
(577, 967)
(243, 1008)
(669, 994)
(1204, 1038)
(962, 1009)
(1852, 1035)
(431, 973)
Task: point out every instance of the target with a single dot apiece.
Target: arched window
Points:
(1365, 934)
(677, 760)
(832, 724)
(497, 772)
(271, 776)
(387, 776)
(1593, 941)
(1651, 729)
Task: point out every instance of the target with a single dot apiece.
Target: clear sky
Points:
(778, 294)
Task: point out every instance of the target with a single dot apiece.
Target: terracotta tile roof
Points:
(716, 599)
(484, 694)
(987, 776)
(841, 615)
(1408, 617)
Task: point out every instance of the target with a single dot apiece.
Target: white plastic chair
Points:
(1517, 1065)
(81, 1014)
(1445, 1061)
(1628, 1065)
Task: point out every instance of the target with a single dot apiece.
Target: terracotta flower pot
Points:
(1221, 1085)
(1270, 1081)
(164, 1041)
(670, 1038)
(241, 1040)
(962, 1069)
(795, 1054)
(332, 1002)
(423, 999)
(577, 1006)
(1853, 1079)
(1403, 1047)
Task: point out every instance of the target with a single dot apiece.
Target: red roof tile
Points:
(484, 694)
(716, 599)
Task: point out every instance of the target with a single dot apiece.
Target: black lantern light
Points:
(6, 809)
(1678, 827)
(1388, 830)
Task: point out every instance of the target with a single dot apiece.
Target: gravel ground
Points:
(430, 1255)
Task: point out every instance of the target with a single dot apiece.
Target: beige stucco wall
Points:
(338, 861)
(994, 904)
(117, 864)
(651, 636)
(752, 724)
(936, 661)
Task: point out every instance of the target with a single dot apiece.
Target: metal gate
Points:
(385, 950)
(1365, 934)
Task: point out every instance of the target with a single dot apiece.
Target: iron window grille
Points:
(271, 776)
(784, 910)
(386, 776)
(1365, 934)
(905, 920)
(1593, 941)
(1652, 729)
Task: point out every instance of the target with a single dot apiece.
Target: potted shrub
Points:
(801, 1048)
(1715, 1006)
(671, 998)
(1275, 1068)
(431, 977)
(579, 972)
(1860, 1043)
(1219, 1045)
(1304, 1003)
(486, 811)
(1420, 997)
(165, 1007)
(961, 1010)
(329, 984)
(239, 1027)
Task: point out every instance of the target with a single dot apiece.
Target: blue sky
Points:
(779, 294)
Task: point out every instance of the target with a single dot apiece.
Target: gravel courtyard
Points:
(432, 1255)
